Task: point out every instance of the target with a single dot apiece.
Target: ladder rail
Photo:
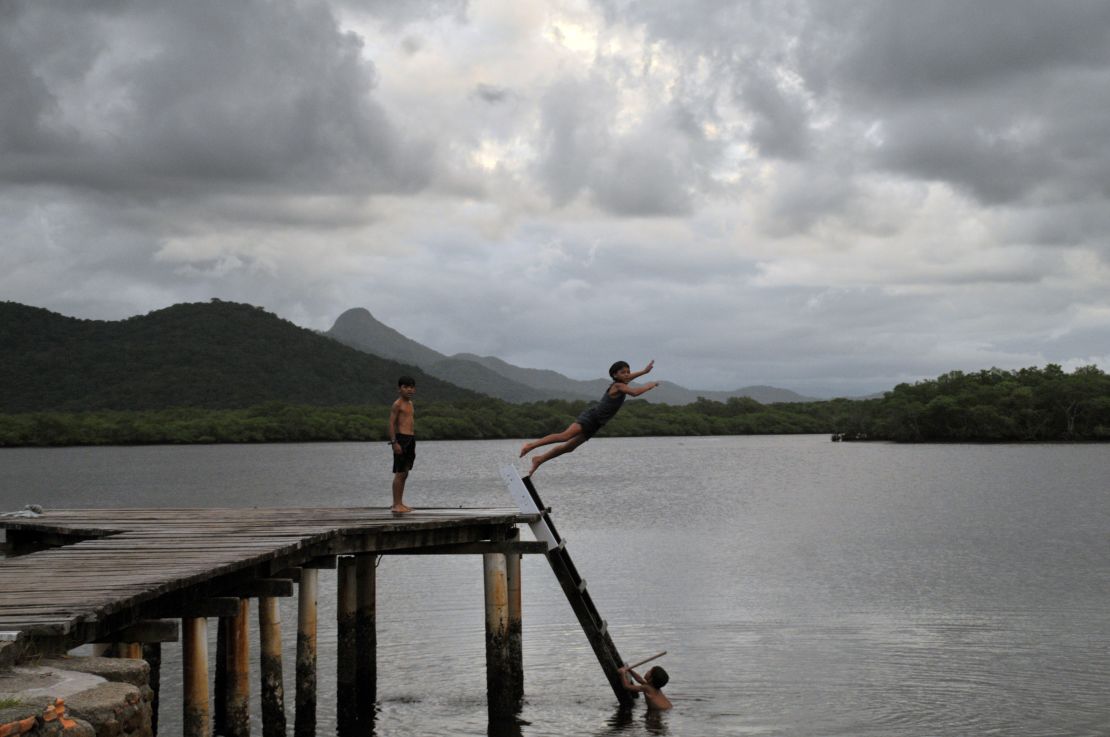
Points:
(524, 493)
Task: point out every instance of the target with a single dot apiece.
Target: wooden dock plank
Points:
(122, 558)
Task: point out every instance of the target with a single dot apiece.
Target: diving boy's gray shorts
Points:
(589, 422)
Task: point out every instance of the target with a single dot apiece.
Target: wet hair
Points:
(617, 367)
(406, 381)
(658, 677)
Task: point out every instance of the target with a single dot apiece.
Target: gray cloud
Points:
(395, 14)
(174, 98)
(832, 196)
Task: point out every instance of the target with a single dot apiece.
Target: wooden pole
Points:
(219, 710)
(272, 688)
(304, 723)
(239, 673)
(366, 641)
(638, 663)
(516, 646)
(499, 693)
(152, 654)
(194, 657)
(346, 716)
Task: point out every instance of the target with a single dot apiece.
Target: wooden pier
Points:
(129, 576)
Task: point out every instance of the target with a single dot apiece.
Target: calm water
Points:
(801, 587)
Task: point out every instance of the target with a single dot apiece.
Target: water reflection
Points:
(505, 728)
(864, 590)
(624, 721)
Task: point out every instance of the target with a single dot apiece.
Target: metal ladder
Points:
(523, 492)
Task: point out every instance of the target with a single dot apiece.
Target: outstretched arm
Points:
(635, 391)
(646, 370)
(626, 680)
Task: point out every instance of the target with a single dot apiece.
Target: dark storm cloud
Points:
(400, 12)
(995, 98)
(651, 169)
(491, 93)
(905, 49)
(184, 97)
(781, 125)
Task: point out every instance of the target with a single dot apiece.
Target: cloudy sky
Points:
(828, 196)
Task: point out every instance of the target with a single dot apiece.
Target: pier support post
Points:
(499, 689)
(516, 620)
(345, 693)
(131, 650)
(366, 640)
(219, 708)
(239, 673)
(194, 659)
(272, 689)
(152, 654)
(304, 722)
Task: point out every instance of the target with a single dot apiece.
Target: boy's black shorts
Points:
(404, 460)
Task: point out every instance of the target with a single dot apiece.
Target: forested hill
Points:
(211, 355)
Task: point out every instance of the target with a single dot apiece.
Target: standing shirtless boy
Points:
(594, 417)
(402, 439)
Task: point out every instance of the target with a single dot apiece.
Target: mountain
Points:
(498, 378)
(553, 384)
(215, 355)
(359, 329)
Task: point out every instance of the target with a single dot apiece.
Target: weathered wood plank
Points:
(117, 566)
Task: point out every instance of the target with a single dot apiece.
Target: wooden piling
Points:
(194, 658)
(219, 708)
(238, 673)
(152, 654)
(516, 644)
(499, 689)
(366, 641)
(346, 716)
(304, 722)
(272, 692)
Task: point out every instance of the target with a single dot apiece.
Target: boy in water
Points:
(650, 686)
(402, 439)
(593, 418)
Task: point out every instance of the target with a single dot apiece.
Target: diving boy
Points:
(593, 418)
(402, 439)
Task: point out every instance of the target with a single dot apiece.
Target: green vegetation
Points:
(8, 703)
(992, 405)
(989, 406)
(221, 372)
(216, 355)
(489, 418)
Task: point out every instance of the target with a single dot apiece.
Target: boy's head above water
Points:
(657, 677)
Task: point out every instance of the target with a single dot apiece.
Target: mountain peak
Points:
(360, 330)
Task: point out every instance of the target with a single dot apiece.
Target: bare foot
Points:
(535, 464)
(525, 449)
(400, 508)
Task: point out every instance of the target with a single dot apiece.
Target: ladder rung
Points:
(582, 585)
